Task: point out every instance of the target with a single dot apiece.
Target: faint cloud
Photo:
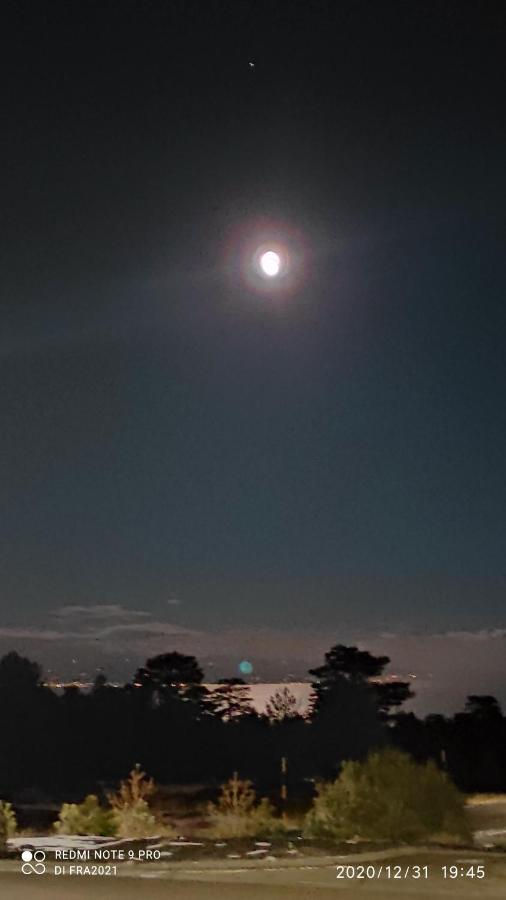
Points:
(99, 611)
(482, 634)
(31, 633)
(479, 634)
(98, 622)
(146, 628)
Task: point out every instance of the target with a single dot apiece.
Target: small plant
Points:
(238, 814)
(237, 796)
(130, 809)
(87, 817)
(388, 797)
(8, 824)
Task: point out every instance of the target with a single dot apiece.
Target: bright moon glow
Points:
(270, 263)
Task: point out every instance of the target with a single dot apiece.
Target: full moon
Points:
(270, 263)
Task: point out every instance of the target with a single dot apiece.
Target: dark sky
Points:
(333, 459)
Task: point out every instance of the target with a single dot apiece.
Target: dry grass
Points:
(238, 814)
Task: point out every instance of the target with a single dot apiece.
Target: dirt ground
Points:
(260, 881)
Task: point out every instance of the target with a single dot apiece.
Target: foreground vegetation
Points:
(8, 824)
(127, 814)
(389, 798)
(386, 798)
(239, 814)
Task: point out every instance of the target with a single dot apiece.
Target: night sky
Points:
(197, 465)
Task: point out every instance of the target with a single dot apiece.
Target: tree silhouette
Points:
(100, 682)
(391, 695)
(345, 722)
(361, 667)
(164, 719)
(282, 705)
(170, 670)
(355, 665)
(230, 700)
(19, 674)
(171, 676)
(479, 744)
(483, 707)
(27, 720)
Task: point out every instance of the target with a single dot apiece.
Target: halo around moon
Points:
(268, 258)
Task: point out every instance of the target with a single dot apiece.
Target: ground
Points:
(208, 874)
(487, 816)
(238, 880)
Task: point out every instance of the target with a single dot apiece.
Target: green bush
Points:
(238, 814)
(388, 797)
(87, 817)
(8, 824)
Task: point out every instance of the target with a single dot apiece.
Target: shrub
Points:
(130, 809)
(388, 797)
(87, 817)
(238, 814)
(8, 824)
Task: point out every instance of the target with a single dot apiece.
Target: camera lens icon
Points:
(33, 862)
